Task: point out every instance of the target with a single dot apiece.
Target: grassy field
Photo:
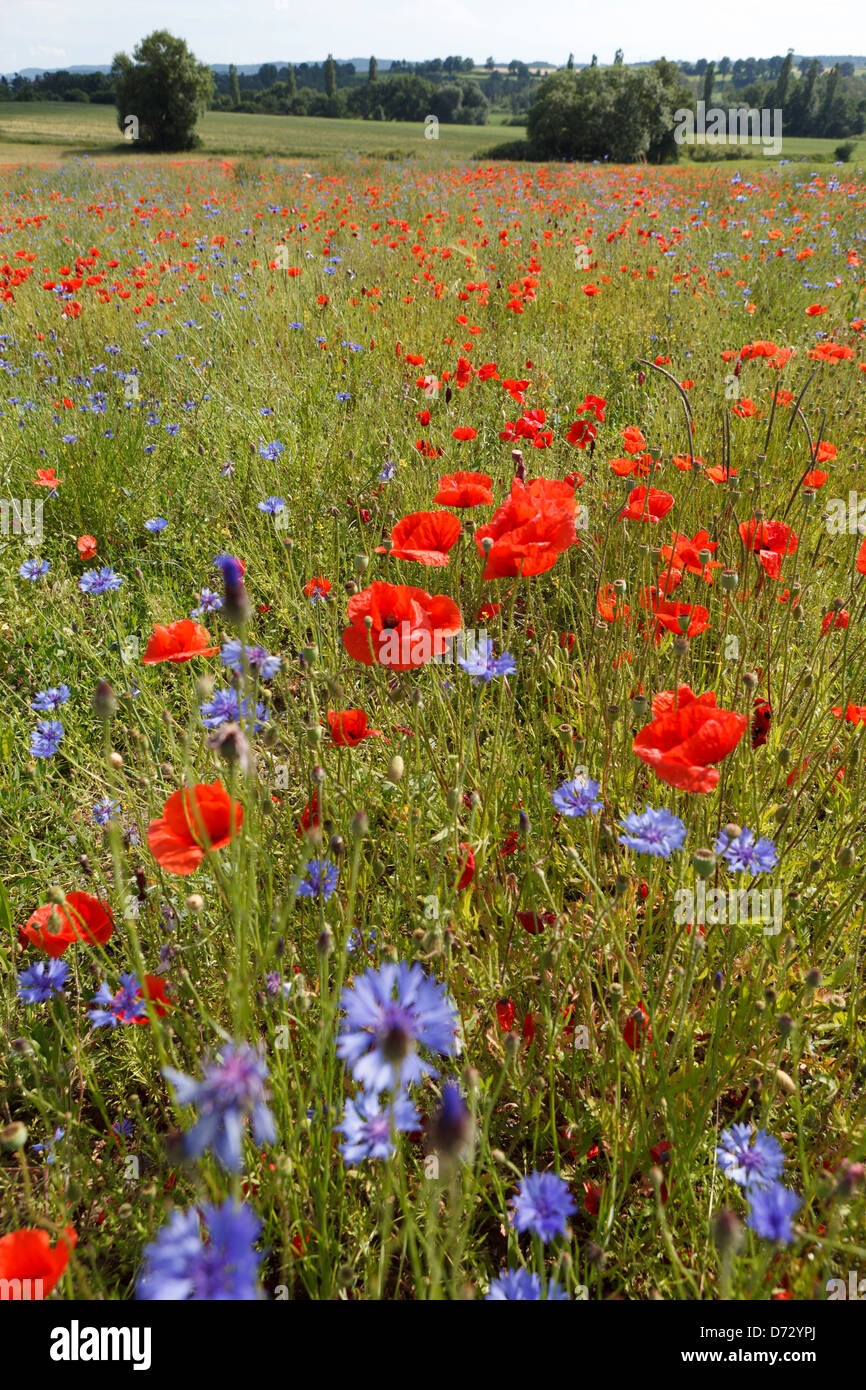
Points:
(34, 132)
(617, 831)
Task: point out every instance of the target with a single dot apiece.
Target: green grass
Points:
(749, 1025)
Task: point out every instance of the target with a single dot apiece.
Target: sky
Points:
(65, 33)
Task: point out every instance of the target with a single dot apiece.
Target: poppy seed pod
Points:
(13, 1137)
(396, 768)
(104, 700)
(729, 580)
(703, 862)
(750, 679)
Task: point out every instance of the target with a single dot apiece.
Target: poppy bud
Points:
(733, 831)
(56, 895)
(116, 760)
(318, 774)
(727, 1232)
(360, 826)
(337, 846)
(195, 904)
(797, 613)
(324, 942)
(232, 744)
(487, 544)
(703, 862)
(750, 679)
(314, 736)
(845, 857)
(785, 1024)
(785, 1082)
(784, 757)
(104, 701)
(13, 1136)
(396, 768)
(204, 686)
(681, 645)
(236, 603)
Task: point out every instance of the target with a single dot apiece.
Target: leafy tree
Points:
(373, 70)
(234, 85)
(165, 88)
(709, 83)
(617, 113)
(330, 77)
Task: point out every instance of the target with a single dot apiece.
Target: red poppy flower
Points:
(646, 504)
(464, 432)
(633, 440)
(408, 626)
(681, 744)
(609, 607)
(505, 1014)
(154, 990)
(178, 641)
(815, 479)
(637, 1027)
(639, 467)
(534, 922)
(45, 478)
(29, 1254)
(861, 559)
(349, 727)
(684, 554)
(194, 822)
(581, 433)
(467, 866)
(669, 614)
(81, 918)
(855, 714)
(530, 530)
(831, 620)
(86, 547)
(770, 540)
(426, 537)
(464, 490)
(317, 588)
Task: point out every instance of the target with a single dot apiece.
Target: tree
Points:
(618, 113)
(292, 83)
(165, 88)
(330, 77)
(373, 70)
(617, 58)
(709, 83)
(725, 66)
(570, 63)
(234, 85)
(780, 91)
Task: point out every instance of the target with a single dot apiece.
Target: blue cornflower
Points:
(105, 810)
(388, 471)
(452, 1122)
(209, 601)
(122, 1128)
(271, 451)
(124, 1006)
(746, 854)
(750, 1164)
(272, 505)
(39, 983)
(46, 737)
(156, 524)
(344, 395)
(233, 1086)
(542, 1205)
(187, 1264)
(260, 662)
(770, 1212)
(577, 797)
(381, 1033)
(48, 1147)
(320, 882)
(34, 569)
(367, 1126)
(653, 832)
(481, 664)
(227, 469)
(99, 581)
(225, 707)
(47, 701)
(515, 1285)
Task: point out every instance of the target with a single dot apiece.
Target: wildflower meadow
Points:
(432, 603)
